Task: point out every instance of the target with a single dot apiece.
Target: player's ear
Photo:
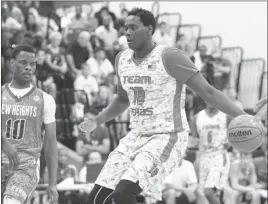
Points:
(150, 29)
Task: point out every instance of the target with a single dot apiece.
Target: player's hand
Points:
(12, 156)
(87, 126)
(53, 195)
(261, 109)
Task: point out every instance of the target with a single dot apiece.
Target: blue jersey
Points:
(22, 120)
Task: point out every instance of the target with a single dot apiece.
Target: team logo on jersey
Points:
(36, 98)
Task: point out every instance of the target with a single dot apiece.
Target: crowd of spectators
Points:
(78, 54)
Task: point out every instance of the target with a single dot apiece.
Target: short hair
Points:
(21, 48)
(55, 34)
(146, 17)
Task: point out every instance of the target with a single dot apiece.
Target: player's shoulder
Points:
(172, 52)
(48, 98)
(200, 113)
(122, 53)
(188, 163)
(3, 87)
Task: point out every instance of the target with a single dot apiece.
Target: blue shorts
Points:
(21, 183)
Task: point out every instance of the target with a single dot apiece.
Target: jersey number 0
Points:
(15, 129)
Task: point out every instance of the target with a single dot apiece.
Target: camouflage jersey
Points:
(157, 99)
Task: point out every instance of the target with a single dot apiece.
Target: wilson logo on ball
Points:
(240, 133)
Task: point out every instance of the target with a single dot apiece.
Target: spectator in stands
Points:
(100, 65)
(104, 96)
(161, 35)
(15, 12)
(121, 43)
(44, 74)
(222, 70)
(94, 158)
(95, 41)
(260, 164)
(243, 178)
(103, 12)
(124, 13)
(96, 141)
(62, 166)
(78, 22)
(78, 53)
(200, 56)
(87, 82)
(109, 35)
(75, 23)
(10, 26)
(34, 34)
(182, 42)
(181, 184)
(92, 22)
(55, 59)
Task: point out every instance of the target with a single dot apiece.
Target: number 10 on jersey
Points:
(15, 129)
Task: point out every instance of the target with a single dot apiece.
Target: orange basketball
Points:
(245, 133)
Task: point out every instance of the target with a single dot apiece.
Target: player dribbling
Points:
(24, 110)
(151, 82)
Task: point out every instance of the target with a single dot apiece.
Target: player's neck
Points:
(17, 85)
(140, 54)
(211, 111)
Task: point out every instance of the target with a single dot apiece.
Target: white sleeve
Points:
(95, 87)
(192, 179)
(49, 109)
(109, 66)
(78, 83)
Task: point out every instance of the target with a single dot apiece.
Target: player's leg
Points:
(21, 185)
(126, 192)
(116, 165)
(153, 163)
(100, 194)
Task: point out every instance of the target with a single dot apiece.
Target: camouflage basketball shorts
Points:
(145, 160)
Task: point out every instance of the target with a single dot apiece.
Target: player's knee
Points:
(125, 192)
(10, 200)
(209, 192)
(99, 194)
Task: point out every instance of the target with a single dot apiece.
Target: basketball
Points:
(245, 134)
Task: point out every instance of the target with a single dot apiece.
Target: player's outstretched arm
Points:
(179, 66)
(213, 96)
(50, 146)
(261, 108)
(117, 106)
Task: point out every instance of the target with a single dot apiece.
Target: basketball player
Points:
(24, 110)
(151, 82)
(210, 126)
